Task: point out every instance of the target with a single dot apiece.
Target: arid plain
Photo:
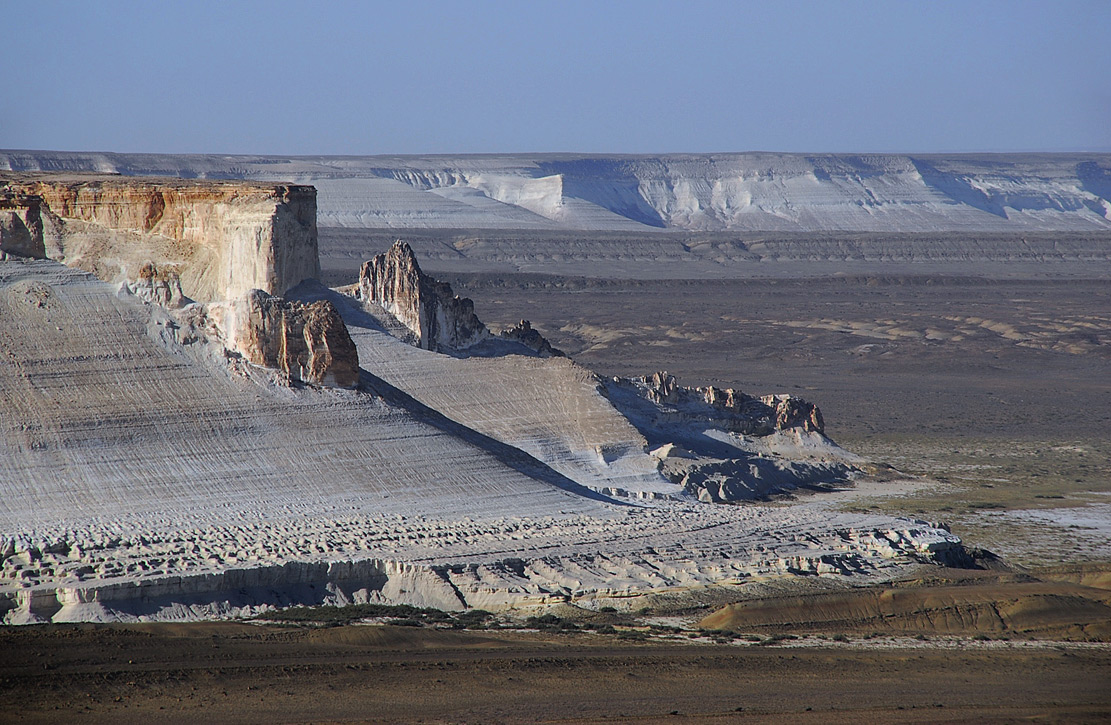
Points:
(973, 368)
(989, 388)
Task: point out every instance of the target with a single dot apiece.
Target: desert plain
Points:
(971, 368)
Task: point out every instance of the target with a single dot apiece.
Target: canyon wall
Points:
(222, 238)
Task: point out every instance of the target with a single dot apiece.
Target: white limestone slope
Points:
(741, 191)
(144, 474)
(551, 408)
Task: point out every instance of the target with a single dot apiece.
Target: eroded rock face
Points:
(310, 343)
(425, 305)
(223, 237)
(721, 445)
(739, 412)
(524, 333)
(792, 412)
(21, 225)
(158, 286)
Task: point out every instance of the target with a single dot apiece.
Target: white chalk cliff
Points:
(729, 191)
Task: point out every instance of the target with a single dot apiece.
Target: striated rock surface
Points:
(599, 433)
(308, 342)
(223, 237)
(428, 307)
(524, 333)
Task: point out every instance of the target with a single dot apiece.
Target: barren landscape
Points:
(693, 538)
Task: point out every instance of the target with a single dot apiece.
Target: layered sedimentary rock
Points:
(142, 476)
(222, 237)
(140, 480)
(600, 433)
(308, 342)
(428, 307)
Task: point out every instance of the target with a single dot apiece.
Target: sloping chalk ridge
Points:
(168, 458)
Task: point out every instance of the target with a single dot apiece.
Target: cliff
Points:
(223, 238)
(779, 192)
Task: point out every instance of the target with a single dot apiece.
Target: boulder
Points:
(21, 225)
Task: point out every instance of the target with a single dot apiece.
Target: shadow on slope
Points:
(512, 457)
(355, 315)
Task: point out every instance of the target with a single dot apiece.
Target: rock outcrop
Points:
(524, 333)
(308, 342)
(158, 286)
(792, 412)
(721, 445)
(738, 412)
(21, 224)
(223, 237)
(428, 307)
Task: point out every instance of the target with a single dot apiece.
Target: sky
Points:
(608, 76)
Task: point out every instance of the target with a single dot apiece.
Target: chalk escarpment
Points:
(139, 479)
(754, 191)
(224, 238)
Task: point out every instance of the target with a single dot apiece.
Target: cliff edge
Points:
(223, 238)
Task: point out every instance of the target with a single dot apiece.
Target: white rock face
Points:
(743, 191)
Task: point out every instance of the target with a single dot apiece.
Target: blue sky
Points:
(620, 77)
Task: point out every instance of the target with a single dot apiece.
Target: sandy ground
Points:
(243, 673)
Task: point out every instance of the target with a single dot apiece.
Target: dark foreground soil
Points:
(246, 673)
